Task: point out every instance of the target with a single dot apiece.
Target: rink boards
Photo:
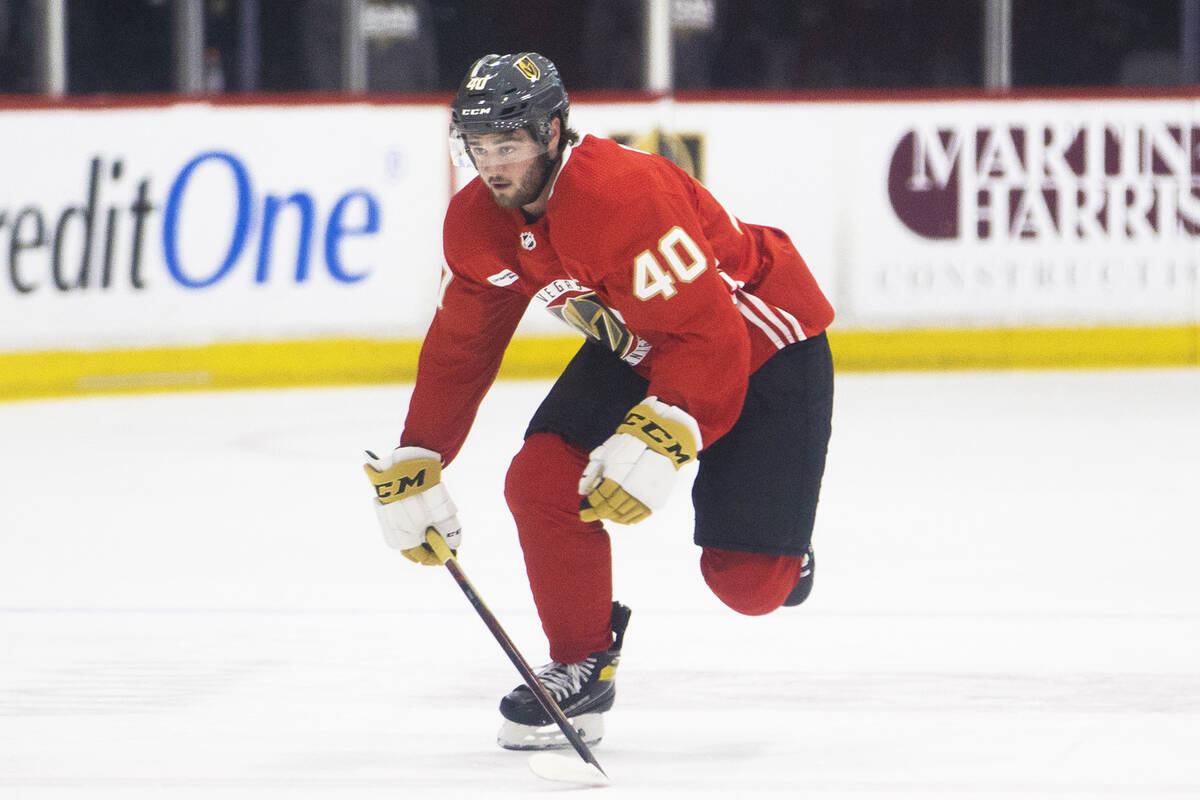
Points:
(169, 244)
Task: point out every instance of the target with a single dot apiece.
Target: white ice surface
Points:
(195, 602)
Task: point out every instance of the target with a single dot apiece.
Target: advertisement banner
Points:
(1025, 213)
(195, 223)
(198, 223)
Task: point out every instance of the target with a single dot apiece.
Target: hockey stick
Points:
(435, 542)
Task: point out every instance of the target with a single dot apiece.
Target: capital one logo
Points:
(1049, 182)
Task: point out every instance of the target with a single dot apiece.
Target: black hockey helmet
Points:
(503, 93)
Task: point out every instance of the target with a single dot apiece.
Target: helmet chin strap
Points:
(550, 168)
(552, 165)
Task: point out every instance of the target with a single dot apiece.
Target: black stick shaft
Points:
(539, 692)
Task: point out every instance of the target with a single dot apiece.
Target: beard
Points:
(527, 188)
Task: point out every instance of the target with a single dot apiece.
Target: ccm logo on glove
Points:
(631, 473)
(410, 498)
(666, 437)
(406, 478)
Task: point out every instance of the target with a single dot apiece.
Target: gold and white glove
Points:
(631, 474)
(410, 498)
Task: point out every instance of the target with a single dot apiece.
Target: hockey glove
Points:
(631, 474)
(410, 498)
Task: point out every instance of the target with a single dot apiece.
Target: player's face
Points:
(512, 165)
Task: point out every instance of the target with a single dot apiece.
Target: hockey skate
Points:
(583, 690)
(804, 585)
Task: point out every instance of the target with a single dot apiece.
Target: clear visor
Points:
(481, 150)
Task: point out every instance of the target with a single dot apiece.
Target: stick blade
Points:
(563, 769)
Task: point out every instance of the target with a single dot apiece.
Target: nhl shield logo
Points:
(527, 240)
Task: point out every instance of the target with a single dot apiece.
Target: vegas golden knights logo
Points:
(685, 150)
(528, 68)
(587, 314)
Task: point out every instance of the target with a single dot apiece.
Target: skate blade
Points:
(515, 736)
(564, 769)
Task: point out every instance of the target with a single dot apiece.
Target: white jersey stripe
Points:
(769, 315)
(797, 329)
(780, 326)
(749, 314)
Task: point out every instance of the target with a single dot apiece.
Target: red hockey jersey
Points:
(633, 252)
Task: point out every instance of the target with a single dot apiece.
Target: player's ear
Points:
(555, 143)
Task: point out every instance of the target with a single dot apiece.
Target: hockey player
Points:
(704, 343)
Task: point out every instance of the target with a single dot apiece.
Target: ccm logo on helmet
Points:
(475, 112)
